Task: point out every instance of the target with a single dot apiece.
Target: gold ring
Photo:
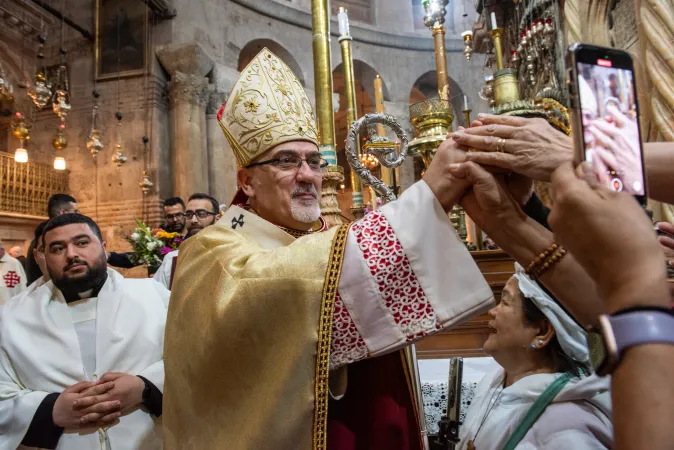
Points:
(500, 145)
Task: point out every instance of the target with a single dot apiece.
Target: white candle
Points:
(493, 21)
(465, 103)
(343, 21)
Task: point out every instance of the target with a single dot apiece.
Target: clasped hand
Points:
(98, 404)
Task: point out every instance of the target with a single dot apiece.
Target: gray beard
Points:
(305, 211)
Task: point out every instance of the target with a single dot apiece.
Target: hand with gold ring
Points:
(530, 147)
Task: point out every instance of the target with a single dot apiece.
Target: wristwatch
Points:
(615, 333)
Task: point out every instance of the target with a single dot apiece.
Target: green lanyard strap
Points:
(536, 410)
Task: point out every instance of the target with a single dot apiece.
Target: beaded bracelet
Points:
(542, 263)
(554, 259)
(540, 259)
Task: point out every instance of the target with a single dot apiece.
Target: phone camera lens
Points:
(617, 184)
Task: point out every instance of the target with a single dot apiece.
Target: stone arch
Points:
(253, 47)
(426, 86)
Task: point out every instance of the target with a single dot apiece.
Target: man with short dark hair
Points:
(61, 204)
(202, 211)
(81, 356)
(174, 215)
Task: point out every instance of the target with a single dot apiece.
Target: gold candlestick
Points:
(505, 85)
(357, 208)
(466, 117)
(386, 173)
(334, 175)
(435, 21)
(495, 35)
(379, 101)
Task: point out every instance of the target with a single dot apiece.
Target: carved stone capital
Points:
(192, 89)
(186, 58)
(215, 101)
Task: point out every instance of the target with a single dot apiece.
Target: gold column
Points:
(441, 60)
(334, 175)
(351, 105)
(435, 21)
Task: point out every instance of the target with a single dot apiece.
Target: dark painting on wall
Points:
(121, 38)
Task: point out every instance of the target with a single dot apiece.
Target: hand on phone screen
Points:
(617, 149)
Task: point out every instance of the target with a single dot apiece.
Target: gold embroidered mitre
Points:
(267, 107)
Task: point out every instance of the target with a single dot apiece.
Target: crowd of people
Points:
(283, 334)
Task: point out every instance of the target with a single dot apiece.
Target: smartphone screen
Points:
(610, 121)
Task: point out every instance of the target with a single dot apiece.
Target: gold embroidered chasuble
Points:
(248, 337)
(257, 317)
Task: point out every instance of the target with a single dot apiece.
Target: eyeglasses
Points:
(294, 162)
(200, 213)
(175, 216)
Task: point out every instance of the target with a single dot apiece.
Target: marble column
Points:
(188, 65)
(221, 159)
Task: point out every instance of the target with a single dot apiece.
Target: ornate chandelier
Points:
(61, 104)
(368, 160)
(94, 143)
(20, 131)
(40, 93)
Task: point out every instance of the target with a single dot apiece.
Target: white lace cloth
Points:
(435, 402)
(434, 374)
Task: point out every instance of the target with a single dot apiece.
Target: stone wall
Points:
(109, 195)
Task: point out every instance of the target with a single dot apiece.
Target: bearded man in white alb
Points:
(81, 357)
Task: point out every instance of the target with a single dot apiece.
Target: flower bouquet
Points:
(150, 246)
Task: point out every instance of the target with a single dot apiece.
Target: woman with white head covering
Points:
(542, 396)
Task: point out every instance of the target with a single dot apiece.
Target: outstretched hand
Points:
(532, 147)
(488, 203)
(448, 189)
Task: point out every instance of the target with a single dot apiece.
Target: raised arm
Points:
(614, 241)
(493, 209)
(406, 275)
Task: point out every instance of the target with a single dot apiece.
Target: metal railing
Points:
(25, 188)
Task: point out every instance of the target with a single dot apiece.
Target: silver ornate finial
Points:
(382, 149)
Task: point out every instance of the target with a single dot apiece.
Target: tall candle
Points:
(493, 21)
(343, 21)
(465, 103)
(379, 101)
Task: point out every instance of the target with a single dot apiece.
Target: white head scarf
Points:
(572, 338)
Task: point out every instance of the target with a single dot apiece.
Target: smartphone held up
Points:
(604, 106)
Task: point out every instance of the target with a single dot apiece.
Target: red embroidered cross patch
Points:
(11, 279)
